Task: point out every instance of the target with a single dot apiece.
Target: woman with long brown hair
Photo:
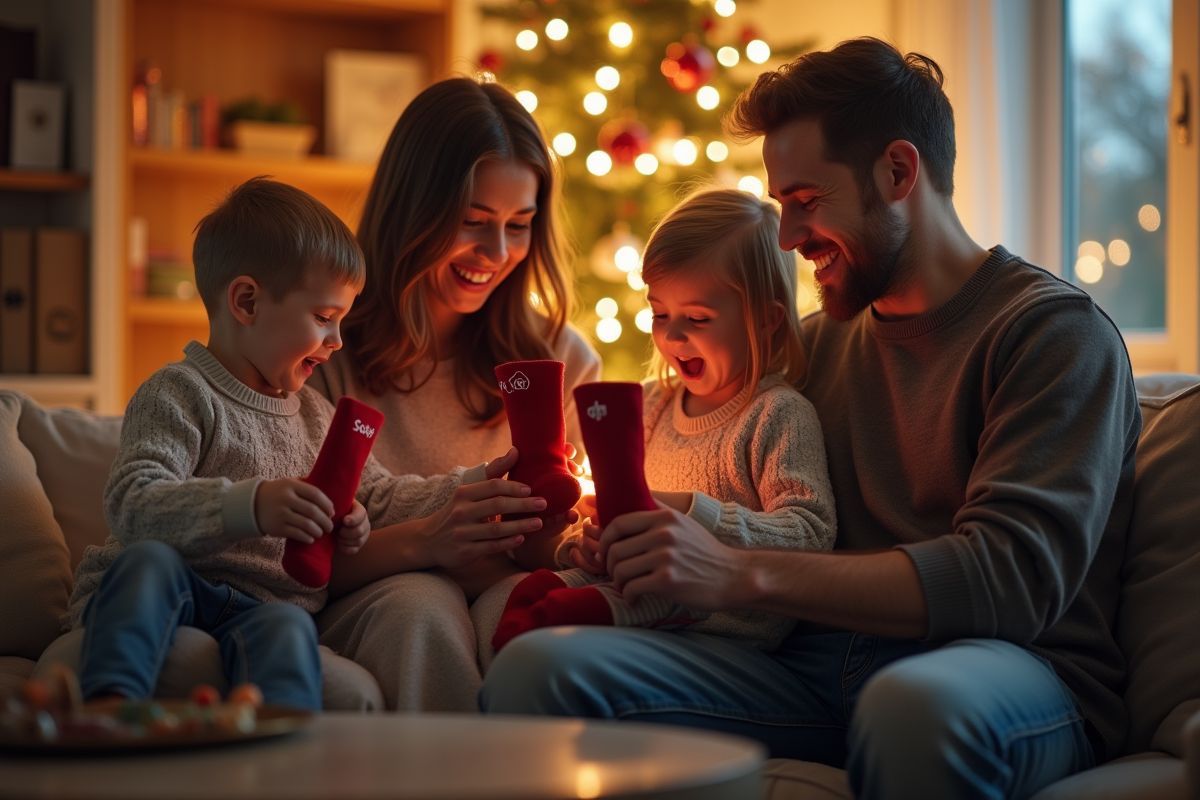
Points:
(466, 270)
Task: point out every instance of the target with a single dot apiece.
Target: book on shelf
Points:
(16, 300)
(60, 294)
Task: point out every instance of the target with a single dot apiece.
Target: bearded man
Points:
(980, 420)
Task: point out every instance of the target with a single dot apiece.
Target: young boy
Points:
(205, 488)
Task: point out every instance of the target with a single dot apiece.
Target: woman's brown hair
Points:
(735, 236)
(419, 197)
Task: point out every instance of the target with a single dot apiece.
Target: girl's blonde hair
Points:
(735, 236)
(419, 197)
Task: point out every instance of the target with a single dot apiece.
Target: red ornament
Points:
(749, 34)
(707, 24)
(688, 67)
(624, 140)
(491, 61)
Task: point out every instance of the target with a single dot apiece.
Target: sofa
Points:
(54, 463)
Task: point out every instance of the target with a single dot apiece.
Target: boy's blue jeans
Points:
(149, 591)
(978, 718)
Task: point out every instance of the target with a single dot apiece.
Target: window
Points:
(1131, 173)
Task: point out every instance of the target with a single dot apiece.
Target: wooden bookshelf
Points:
(271, 49)
(16, 180)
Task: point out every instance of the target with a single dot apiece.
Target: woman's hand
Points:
(468, 527)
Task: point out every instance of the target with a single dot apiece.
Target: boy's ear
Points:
(243, 296)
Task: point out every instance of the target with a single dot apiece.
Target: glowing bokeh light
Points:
(634, 279)
(527, 39)
(608, 330)
(620, 34)
(1149, 218)
(564, 144)
(599, 163)
(725, 8)
(752, 185)
(644, 320)
(556, 29)
(1118, 252)
(1089, 269)
(608, 78)
(728, 56)
(646, 164)
(758, 51)
(1093, 249)
(685, 152)
(606, 307)
(594, 103)
(527, 99)
(717, 151)
(627, 258)
(708, 97)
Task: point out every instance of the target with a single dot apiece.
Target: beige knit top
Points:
(758, 479)
(428, 430)
(195, 444)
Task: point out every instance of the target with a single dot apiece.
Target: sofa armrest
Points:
(1191, 755)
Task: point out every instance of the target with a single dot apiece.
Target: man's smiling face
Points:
(852, 237)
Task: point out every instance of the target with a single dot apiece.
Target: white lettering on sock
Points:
(365, 430)
(518, 381)
(597, 411)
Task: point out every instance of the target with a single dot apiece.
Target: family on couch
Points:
(969, 417)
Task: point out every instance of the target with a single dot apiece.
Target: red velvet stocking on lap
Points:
(533, 393)
(337, 472)
(610, 415)
(514, 619)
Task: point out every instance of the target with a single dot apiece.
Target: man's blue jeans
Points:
(149, 591)
(975, 718)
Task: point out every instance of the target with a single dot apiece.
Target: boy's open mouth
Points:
(691, 368)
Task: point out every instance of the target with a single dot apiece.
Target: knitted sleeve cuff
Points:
(237, 510)
(706, 511)
(475, 474)
(947, 588)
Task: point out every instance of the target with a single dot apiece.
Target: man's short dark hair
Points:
(865, 94)
(276, 234)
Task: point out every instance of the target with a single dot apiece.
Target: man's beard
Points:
(874, 265)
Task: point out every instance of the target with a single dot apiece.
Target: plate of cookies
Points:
(47, 715)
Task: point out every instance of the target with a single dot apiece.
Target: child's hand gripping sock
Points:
(533, 393)
(610, 415)
(337, 472)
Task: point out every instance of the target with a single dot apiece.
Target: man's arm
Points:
(668, 553)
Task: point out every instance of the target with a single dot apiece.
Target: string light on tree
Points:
(599, 163)
(564, 144)
(628, 259)
(557, 29)
(716, 151)
(527, 99)
(708, 98)
(644, 321)
(594, 103)
(608, 330)
(634, 279)
(608, 78)
(527, 39)
(758, 51)
(725, 8)
(620, 34)
(606, 307)
(728, 56)
(646, 164)
(685, 152)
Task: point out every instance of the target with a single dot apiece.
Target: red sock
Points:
(533, 393)
(515, 617)
(558, 606)
(610, 415)
(337, 472)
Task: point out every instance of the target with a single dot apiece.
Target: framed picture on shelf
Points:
(37, 125)
(365, 91)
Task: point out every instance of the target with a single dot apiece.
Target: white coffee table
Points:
(408, 756)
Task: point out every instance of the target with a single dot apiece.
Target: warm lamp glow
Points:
(1089, 269)
(1093, 249)
(685, 152)
(1149, 218)
(606, 308)
(751, 184)
(627, 259)
(1118, 252)
(725, 8)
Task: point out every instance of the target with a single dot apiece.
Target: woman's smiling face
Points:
(492, 240)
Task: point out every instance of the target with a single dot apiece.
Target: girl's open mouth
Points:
(691, 368)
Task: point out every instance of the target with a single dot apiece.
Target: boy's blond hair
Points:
(735, 236)
(276, 234)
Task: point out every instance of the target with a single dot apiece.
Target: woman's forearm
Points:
(388, 551)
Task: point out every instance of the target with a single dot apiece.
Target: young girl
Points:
(728, 440)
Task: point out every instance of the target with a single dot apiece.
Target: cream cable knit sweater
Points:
(195, 444)
(758, 479)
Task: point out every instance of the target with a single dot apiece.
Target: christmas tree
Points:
(630, 95)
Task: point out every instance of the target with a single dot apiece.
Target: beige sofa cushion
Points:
(1148, 776)
(1159, 614)
(74, 451)
(35, 565)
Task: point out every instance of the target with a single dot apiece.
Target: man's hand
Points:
(586, 553)
(292, 509)
(355, 530)
(669, 554)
